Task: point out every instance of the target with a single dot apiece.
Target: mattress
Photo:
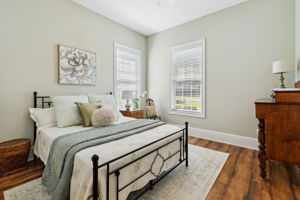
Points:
(81, 181)
(46, 136)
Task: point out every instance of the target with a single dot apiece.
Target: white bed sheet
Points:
(46, 136)
(81, 181)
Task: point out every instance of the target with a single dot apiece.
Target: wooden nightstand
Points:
(138, 114)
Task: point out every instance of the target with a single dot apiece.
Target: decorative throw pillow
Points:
(150, 111)
(67, 113)
(103, 116)
(43, 117)
(86, 111)
(106, 100)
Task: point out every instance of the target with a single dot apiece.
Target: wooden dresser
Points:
(279, 128)
(138, 114)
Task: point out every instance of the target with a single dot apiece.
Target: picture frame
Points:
(76, 66)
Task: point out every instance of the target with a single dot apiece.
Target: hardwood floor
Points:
(33, 170)
(239, 179)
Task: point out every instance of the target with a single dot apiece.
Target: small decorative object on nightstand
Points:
(13, 155)
(136, 100)
(138, 114)
(151, 110)
(280, 67)
(127, 94)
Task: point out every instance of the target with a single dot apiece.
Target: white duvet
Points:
(81, 181)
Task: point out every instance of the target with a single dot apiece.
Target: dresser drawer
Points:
(287, 96)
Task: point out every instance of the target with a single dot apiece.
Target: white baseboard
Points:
(30, 157)
(227, 138)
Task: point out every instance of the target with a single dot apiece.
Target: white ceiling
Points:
(147, 17)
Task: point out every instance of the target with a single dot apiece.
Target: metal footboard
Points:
(183, 152)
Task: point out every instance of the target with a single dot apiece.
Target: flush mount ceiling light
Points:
(169, 2)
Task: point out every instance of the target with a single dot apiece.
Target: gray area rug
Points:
(192, 183)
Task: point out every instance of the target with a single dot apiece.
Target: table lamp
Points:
(127, 94)
(280, 67)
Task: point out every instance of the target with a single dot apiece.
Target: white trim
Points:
(203, 91)
(133, 51)
(186, 113)
(31, 155)
(227, 138)
(297, 40)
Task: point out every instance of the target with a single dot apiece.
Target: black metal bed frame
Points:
(183, 157)
(45, 101)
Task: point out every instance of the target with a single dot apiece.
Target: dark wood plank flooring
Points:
(33, 170)
(239, 179)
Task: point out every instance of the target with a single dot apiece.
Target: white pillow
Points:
(103, 116)
(43, 117)
(67, 113)
(106, 100)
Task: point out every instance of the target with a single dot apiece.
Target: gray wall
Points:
(29, 35)
(297, 38)
(242, 43)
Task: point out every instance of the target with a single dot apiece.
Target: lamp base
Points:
(127, 107)
(282, 80)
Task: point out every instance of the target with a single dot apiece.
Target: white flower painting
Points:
(76, 67)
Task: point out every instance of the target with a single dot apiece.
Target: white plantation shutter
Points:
(127, 64)
(187, 79)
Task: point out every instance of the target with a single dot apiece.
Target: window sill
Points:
(186, 113)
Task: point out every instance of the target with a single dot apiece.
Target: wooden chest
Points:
(13, 155)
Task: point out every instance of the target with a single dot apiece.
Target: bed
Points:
(124, 168)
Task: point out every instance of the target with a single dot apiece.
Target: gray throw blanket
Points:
(57, 174)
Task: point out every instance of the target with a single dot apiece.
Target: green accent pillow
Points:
(86, 110)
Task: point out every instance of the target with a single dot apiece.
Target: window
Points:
(126, 66)
(187, 66)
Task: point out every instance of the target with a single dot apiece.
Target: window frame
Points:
(172, 88)
(131, 50)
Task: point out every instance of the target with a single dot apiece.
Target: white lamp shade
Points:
(280, 67)
(127, 94)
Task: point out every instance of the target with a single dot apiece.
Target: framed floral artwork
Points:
(76, 66)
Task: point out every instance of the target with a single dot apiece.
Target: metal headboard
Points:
(43, 102)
